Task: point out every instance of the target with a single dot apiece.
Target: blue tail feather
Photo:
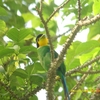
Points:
(65, 87)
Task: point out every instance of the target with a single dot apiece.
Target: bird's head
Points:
(41, 40)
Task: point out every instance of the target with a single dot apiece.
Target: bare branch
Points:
(77, 69)
(41, 1)
(79, 10)
(91, 72)
(89, 20)
(56, 37)
(61, 6)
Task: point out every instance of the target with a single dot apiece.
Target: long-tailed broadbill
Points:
(44, 54)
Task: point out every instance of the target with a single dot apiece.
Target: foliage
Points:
(21, 74)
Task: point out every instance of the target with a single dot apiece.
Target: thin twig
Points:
(83, 66)
(41, 1)
(89, 20)
(79, 10)
(61, 6)
(56, 37)
(91, 72)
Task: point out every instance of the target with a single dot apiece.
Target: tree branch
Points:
(77, 69)
(56, 37)
(91, 72)
(79, 10)
(89, 20)
(61, 6)
(41, 5)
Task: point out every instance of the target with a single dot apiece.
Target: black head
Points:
(37, 39)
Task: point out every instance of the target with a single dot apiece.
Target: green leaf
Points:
(63, 39)
(4, 14)
(16, 21)
(52, 27)
(86, 47)
(13, 34)
(18, 35)
(5, 52)
(2, 69)
(77, 94)
(27, 49)
(48, 9)
(30, 17)
(94, 31)
(74, 63)
(20, 72)
(34, 97)
(71, 57)
(96, 7)
(38, 67)
(86, 9)
(13, 5)
(91, 80)
(2, 28)
(24, 33)
(1, 3)
(16, 81)
(36, 79)
(85, 57)
(29, 69)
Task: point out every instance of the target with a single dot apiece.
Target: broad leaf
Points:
(86, 47)
(96, 7)
(27, 49)
(36, 79)
(20, 72)
(2, 28)
(6, 52)
(34, 97)
(94, 32)
(18, 35)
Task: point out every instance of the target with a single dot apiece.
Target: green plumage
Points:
(45, 59)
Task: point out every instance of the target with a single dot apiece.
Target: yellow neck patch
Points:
(43, 42)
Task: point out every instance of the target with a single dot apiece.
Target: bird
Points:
(44, 54)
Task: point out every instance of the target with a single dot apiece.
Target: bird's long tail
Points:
(65, 87)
